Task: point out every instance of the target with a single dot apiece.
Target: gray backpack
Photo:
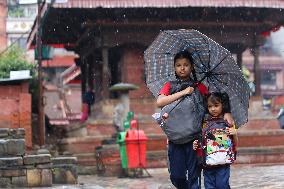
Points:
(184, 123)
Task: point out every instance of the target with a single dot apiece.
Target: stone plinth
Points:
(108, 160)
(64, 170)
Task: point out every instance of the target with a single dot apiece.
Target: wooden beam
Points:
(34, 28)
(145, 37)
(105, 74)
(257, 71)
(177, 23)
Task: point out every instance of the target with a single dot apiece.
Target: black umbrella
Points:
(214, 65)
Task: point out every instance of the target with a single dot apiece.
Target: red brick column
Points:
(25, 117)
(133, 72)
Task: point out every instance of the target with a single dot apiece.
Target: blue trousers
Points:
(217, 177)
(183, 166)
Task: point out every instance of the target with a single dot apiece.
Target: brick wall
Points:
(15, 112)
(133, 72)
(142, 101)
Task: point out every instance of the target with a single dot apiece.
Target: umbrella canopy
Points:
(214, 65)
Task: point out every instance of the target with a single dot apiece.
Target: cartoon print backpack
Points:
(185, 115)
(218, 148)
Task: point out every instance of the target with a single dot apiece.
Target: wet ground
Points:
(242, 177)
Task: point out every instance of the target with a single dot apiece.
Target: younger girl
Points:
(217, 177)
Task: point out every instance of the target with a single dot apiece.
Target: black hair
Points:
(187, 55)
(220, 97)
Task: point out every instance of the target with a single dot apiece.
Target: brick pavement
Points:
(242, 177)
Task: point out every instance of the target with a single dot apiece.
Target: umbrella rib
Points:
(209, 78)
(200, 57)
(209, 52)
(209, 59)
(207, 74)
(219, 63)
(201, 61)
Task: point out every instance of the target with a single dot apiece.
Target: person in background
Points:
(88, 101)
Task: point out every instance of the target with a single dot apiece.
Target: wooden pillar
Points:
(257, 71)
(90, 78)
(83, 76)
(105, 74)
(97, 70)
(240, 59)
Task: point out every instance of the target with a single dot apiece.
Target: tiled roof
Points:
(170, 3)
(70, 74)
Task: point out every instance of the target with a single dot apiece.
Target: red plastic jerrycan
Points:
(135, 141)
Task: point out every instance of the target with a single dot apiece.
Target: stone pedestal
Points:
(108, 160)
(64, 170)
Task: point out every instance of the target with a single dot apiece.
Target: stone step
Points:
(261, 124)
(105, 127)
(245, 155)
(252, 138)
(156, 142)
(100, 127)
(77, 145)
(87, 163)
(86, 159)
(260, 155)
(86, 144)
(247, 138)
(258, 138)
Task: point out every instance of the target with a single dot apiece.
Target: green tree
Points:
(13, 60)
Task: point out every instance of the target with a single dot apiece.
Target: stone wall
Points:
(133, 65)
(19, 169)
